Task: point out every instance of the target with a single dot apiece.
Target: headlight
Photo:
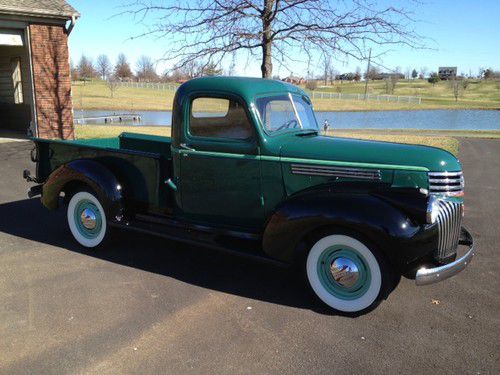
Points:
(432, 209)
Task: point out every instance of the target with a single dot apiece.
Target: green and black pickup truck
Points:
(247, 171)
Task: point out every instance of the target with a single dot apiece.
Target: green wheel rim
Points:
(327, 257)
(86, 232)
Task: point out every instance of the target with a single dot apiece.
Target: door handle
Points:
(186, 147)
(171, 184)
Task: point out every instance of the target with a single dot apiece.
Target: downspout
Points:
(74, 17)
(34, 111)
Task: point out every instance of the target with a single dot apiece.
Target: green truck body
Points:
(247, 170)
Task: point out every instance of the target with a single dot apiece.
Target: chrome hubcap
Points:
(88, 219)
(345, 272)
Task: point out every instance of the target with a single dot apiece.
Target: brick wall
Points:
(52, 81)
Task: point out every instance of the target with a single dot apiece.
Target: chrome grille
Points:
(340, 172)
(446, 183)
(449, 222)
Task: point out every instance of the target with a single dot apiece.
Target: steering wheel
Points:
(287, 124)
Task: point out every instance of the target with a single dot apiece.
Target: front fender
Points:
(88, 172)
(391, 221)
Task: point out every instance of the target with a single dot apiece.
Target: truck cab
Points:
(246, 171)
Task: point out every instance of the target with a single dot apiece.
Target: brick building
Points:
(35, 82)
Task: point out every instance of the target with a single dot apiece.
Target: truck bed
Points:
(141, 162)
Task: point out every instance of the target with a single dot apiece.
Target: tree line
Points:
(143, 71)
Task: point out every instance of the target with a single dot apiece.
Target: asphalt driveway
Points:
(153, 306)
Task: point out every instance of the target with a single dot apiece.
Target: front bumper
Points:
(427, 276)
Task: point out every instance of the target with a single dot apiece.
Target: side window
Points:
(17, 81)
(219, 118)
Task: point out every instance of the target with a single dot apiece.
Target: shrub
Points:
(434, 78)
(312, 84)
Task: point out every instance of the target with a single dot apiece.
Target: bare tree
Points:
(75, 75)
(122, 68)
(277, 30)
(455, 88)
(192, 69)
(311, 84)
(332, 73)
(232, 66)
(145, 69)
(112, 84)
(373, 73)
(423, 71)
(408, 73)
(103, 66)
(357, 74)
(85, 68)
(175, 75)
(327, 67)
(390, 84)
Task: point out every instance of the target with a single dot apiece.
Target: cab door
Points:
(220, 176)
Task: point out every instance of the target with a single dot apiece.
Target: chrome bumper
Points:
(433, 275)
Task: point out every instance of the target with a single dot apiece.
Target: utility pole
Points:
(367, 72)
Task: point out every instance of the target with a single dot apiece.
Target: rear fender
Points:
(85, 172)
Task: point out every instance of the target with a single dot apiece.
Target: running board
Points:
(250, 249)
(169, 221)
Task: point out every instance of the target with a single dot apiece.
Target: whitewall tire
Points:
(87, 219)
(344, 273)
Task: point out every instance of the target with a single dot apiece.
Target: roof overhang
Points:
(38, 13)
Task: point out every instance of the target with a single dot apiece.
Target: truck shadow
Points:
(191, 264)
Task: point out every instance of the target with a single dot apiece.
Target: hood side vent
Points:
(338, 172)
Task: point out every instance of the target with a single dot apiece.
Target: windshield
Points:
(292, 112)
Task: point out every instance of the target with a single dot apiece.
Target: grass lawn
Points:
(412, 137)
(478, 95)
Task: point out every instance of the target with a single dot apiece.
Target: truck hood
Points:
(355, 151)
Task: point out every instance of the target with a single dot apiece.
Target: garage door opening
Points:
(16, 107)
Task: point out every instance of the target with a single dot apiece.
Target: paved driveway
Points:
(153, 306)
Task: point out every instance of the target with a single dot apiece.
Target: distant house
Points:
(447, 72)
(35, 84)
(345, 77)
(294, 80)
(390, 75)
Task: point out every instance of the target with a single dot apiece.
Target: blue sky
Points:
(461, 33)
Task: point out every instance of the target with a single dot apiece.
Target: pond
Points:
(424, 119)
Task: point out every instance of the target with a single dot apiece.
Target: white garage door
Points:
(11, 37)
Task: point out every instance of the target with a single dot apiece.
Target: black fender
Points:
(394, 220)
(88, 172)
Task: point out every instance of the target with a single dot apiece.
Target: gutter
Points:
(36, 12)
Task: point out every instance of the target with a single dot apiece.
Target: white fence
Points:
(313, 95)
(380, 98)
(149, 85)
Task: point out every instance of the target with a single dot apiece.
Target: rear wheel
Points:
(346, 274)
(87, 219)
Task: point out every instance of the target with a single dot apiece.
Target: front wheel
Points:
(87, 219)
(346, 274)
